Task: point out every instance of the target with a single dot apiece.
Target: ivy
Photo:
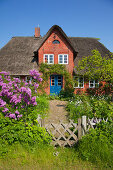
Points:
(47, 70)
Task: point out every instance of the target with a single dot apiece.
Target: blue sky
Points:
(78, 18)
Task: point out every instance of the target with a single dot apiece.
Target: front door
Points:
(56, 82)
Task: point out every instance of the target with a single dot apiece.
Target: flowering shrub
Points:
(19, 111)
(91, 106)
(16, 95)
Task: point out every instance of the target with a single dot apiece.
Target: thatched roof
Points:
(19, 56)
(62, 32)
(84, 47)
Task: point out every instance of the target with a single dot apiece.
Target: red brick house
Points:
(22, 54)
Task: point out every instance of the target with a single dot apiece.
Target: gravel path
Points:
(57, 112)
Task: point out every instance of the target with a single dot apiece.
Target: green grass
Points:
(43, 158)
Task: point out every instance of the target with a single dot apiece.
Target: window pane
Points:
(46, 58)
(52, 80)
(50, 58)
(92, 81)
(76, 82)
(65, 59)
(80, 84)
(91, 85)
(60, 59)
(56, 42)
(28, 78)
(59, 81)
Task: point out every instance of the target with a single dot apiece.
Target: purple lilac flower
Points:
(40, 79)
(17, 80)
(33, 100)
(19, 116)
(12, 116)
(17, 112)
(5, 73)
(36, 85)
(35, 74)
(2, 103)
(17, 94)
(5, 110)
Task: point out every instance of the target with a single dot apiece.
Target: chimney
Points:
(37, 32)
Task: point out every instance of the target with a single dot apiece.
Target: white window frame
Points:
(63, 58)
(26, 78)
(93, 84)
(78, 82)
(49, 58)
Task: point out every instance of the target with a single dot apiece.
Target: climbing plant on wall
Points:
(47, 70)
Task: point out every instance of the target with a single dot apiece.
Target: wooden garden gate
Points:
(67, 134)
(64, 134)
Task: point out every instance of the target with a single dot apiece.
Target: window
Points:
(49, 58)
(79, 82)
(17, 77)
(63, 59)
(93, 83)
(28, 78)
(56, 42)
(52, 80)
(59, 80)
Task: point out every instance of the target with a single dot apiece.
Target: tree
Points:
(97, 67)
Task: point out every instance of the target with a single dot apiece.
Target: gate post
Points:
(79, 129)
(84, 124)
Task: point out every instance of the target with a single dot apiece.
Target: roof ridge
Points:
(86, 37)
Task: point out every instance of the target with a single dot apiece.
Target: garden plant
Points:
(19, 111)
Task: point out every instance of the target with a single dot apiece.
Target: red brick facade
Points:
(62, 48)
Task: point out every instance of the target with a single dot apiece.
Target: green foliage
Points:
(44, 157)
(66, 94)
(12, 131)
(42, 106)
(96, 66)
(25, 130)
(97, 145)
(106, 128)
(91, 106)
(60, 69)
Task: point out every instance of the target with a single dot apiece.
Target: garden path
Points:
(57, 112)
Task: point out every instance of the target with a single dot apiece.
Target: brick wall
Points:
(63, 48)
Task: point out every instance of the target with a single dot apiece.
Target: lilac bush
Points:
(16, 96)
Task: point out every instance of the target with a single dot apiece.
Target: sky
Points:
(77, 18)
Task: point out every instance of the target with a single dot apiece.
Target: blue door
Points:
(56, 82)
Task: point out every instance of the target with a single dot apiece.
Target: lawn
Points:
(43, 157)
